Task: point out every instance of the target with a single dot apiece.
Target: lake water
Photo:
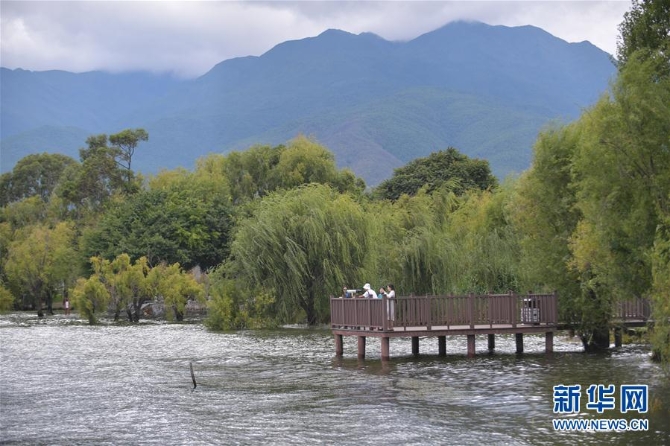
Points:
(64, 382)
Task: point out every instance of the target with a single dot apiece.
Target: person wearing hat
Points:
(368, 291)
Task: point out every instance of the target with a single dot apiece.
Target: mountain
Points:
(486, 90)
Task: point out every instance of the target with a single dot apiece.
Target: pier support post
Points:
(549, 342)
(471, 346)
(618, 337)
(339, 348)
(442, 345)
(415, 345)
(492, 342)
(519, 342)
(361, 347)
(385, 348)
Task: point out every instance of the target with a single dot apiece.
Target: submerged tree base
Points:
(597, 341)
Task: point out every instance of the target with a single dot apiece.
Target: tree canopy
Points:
(646, 29)
(449, 168)
(317, 240)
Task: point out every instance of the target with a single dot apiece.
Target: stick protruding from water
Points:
(193, 376)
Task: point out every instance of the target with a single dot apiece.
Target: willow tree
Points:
(40, 261)
(660, 337)
(486, 249)
(6, 299)
(125, 283)
(302, 245)
(622, 178)
(543, 211)
(412, 248)
(89, 297)
(176, 287)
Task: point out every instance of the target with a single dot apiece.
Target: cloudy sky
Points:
(188, 38)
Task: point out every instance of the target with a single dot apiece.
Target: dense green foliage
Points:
(593, 207)
(446, 168)
(181, 223)
(302, 245)
(34, 175)
(645, 30)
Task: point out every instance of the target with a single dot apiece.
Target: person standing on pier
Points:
(368, 291)
(390, 294)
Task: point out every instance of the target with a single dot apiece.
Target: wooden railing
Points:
(444, 311)
(632, 310)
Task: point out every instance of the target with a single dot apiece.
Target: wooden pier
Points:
(441, 316)
(471, 315)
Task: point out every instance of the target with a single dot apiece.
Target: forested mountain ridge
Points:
(376, 104)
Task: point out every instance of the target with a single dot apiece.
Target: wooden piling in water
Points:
(471, 345)
(386, 348)
(339, 345)
(492, 342)
(415, 345)
(519, 342)
(442, 345)
(361, 347)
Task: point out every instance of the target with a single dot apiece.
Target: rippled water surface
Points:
(64, 382)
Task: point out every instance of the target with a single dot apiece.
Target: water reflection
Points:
(64, 382)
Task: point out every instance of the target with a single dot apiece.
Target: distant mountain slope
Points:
(486, 90)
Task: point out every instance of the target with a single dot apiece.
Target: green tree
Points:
(305, 161)
(124, 145)
(448, 168)
(411, 247)
(175, 287)
(88, 186)
(646, 29)
(40, 261)
(545, 214)
(125, 283)
(233, 306)
(622, 172)
(6, 299)
(260, 170)
(301, 246)
(251, 174)
(661, 293)
(485, 244)
(90, 297)
(184, 218)
(34, 175)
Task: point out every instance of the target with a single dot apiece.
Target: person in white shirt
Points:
(368, 291)
(389, 292)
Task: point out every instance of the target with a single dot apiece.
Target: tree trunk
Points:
(178, 315)
(38, 305)
(50, 309)
(137, 305)
(310, 312)
(596, 341)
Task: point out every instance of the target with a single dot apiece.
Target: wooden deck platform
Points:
(470, 315)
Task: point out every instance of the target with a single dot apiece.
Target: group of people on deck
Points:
(369, 293)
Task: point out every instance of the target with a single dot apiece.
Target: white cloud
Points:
(189, 37)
